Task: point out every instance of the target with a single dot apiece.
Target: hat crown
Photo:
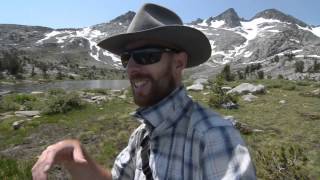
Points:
(152, 16)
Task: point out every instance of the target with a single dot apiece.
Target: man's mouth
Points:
(138, 83)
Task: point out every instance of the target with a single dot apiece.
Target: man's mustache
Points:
(139, 76)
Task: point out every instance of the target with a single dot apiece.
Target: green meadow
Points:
(286, 144)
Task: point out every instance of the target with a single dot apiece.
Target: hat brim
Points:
(191, 40)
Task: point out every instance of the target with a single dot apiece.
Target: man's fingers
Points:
(78, 154)
(39, 170)
(64, 151)
(49, 159)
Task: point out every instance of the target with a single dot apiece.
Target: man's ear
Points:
(181, 59)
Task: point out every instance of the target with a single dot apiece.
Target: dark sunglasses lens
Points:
(145, 58)
(125, 59)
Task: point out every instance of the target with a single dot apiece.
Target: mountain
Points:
(275, 14)
(230, 18)
(43, 50)
(273, 39)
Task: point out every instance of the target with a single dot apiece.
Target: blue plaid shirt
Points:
(187, 141)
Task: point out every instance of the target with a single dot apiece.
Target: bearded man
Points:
(178, 139)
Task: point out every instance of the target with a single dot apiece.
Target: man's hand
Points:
(71, 154)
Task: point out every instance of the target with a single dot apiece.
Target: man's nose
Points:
(132, 66)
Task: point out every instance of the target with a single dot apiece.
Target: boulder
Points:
(27, 113)
(2, 93)
(98, 99)
(123, 96)
(37, 93)
(230, 105)
(115, 91)
(17, 124)
(316, 93)
(195, 87)
(249, 97)
(206, 93)
(198, 84)
(282, 101)
(226, 88)
(246, 88)
(201, 81)
(231, 119)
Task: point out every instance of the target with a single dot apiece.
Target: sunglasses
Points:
(144, 56)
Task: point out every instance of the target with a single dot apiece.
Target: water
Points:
(66, 85)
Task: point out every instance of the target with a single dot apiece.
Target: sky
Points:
(84, 13)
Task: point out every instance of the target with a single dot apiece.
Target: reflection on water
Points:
(67, 85)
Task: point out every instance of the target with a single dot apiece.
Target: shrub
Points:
(72, 77)
(299, 66)
(260, 74)
(276, 58)
(303, 83)
(281, 163)
(226, 73)
(22, 98)
(217, 100)
(289, 87)
(218, 96)
(290, 56)
(56, 91)
(60, 75)
(8, 104)
(241, 75)
(98, 91)
(316, 85)
(274, 84)
(280, 76)
(63, 103)
(316, 66)
(13, 102)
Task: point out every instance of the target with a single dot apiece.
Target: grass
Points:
(290, 130)
(11, 169)
(284, 125)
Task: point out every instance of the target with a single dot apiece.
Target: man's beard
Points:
(159, 89)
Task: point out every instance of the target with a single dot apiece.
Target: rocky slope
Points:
(274, 39)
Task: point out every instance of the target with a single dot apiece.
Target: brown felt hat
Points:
(154, 23)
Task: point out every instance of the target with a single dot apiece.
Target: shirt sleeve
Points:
(225, 155)
(124, 165)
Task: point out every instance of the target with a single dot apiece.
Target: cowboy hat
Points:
(159, 25)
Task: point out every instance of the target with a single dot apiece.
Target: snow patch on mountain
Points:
(247, 54)
(214, 24)
(50, 35)
(212, 44)
(254, 27)
(315, 31)
(273, 31)
(296, 51)
(86, 33)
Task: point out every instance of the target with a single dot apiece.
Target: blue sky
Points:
(83, 13)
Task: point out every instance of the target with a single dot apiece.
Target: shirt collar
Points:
(166, 112)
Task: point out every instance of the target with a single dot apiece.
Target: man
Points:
(178, 138)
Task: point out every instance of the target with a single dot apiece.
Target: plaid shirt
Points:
(187, 141)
